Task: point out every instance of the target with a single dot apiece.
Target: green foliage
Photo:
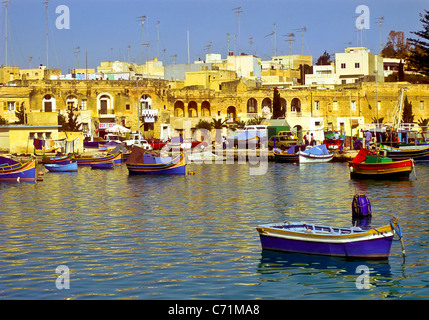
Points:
(3, 121)
(69, 124)
(255, 121)
(324, 59)
(278, 110)
(204, 124)
(380, 120)
(20, 115)
(419, 54)
(423, 123)
(218, 123)
(407, 113)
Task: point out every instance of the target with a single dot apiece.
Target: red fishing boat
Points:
(371, 165)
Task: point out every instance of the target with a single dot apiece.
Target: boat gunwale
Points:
(270, 230)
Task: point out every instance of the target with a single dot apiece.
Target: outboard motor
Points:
(361, 211)
(361, 207)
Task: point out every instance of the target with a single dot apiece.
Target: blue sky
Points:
(103, 29)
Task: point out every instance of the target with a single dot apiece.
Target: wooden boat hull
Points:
(103, 165)
(70, 167)
(314, 158)
(418, 155)
(396, 170)
(87, 161)
(286, 158)
(328, 241)
(19, 171)
(176, 166)
(57, 160)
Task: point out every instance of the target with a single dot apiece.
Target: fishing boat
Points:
(11, 170)
(141, 162)
(59, 159)
(315, 154)
(68, 167)
(370, 165)
(290, 155)
(350, 242)
(347, 242)
(88, 160)
(110, 164)
(418, 155)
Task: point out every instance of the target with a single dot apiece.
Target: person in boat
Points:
(368, 137)
(312, 141)
(306, 137)
(337, 136)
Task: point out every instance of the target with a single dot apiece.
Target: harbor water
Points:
(194, 236)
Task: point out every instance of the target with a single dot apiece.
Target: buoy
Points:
(40, 173)
(361, 207)
(39, 178)
(191, 173)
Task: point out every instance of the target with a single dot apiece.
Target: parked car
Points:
(156, 144)
(282, 141)
(134, 140)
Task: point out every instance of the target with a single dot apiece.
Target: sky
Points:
(108, 30)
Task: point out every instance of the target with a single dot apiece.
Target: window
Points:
(11, 106)
(84, 104)
(335, 105)
(127, 107)
(343, 66)
(378, 105)
(422, 107)
(316, 105)
(353, 105)
(357, 65)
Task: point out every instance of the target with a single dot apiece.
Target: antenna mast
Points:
(5, 34)
(238, 11)
(46, 3)
(380, 21)
(302, 30)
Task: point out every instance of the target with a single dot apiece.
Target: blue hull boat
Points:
(139, 162)
(103, 165)
(348, 242)
(11, 170)
(69, 167)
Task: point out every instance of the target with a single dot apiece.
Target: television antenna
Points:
(290, 40)
(380, 21)
(271, 36)
(238, 11)
(302, 30)
(77, 50)
(5, 33)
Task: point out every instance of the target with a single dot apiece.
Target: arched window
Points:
(267, 106)
(295, 105)
(205, 109)
(49, 103)
(146, 102)
(179, 109)
(192, 109)
(252, 106)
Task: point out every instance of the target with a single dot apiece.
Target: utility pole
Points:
(142, 19)
(380, 21)
(238, 11)
(5, 34)
(302, 30)
(46, 3)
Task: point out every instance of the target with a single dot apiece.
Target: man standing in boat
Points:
(368, 137)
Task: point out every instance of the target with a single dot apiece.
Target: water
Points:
(194, 237)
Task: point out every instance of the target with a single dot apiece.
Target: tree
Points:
(71, 123)
(204, 124)
(3, 120)
(255, 121)
(396, 46)
(324, 59)
(423, 123)
(407, 113)
(278, 110)
(419, 55)
(20, 115)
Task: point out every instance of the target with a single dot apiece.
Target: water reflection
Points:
(194, 236)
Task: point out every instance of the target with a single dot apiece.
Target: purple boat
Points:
(348, 242)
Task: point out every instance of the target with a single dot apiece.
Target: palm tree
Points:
(218, 124)
(255, 121)
(423, 123)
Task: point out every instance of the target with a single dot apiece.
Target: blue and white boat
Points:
(315, 154)
(69, 167)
